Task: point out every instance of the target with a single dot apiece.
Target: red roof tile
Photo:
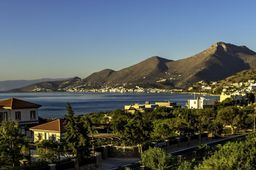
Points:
(55, 125)
(14, 103)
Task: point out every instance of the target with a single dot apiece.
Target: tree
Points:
(163, 129)
(49, 150)
(233, 155)
(76, 135)
(229, 115)
(185, 122)
(250, 97)
(119, 119)
(11, 143)
(215, 127)
(202, 120)
(156, 158)
(135, 131)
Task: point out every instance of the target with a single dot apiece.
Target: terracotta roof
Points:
(14, 103)
(55, 125)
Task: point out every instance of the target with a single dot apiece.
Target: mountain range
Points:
(13, 84)
(215, 63)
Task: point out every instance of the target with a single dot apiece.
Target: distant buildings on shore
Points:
(119, 89)
(147, 106)
(197, 103)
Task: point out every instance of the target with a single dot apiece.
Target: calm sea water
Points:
(54, 104)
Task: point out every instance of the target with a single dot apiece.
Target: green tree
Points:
(185, 165)
(202, 119)
(250, 97)
(185, 120)
(233, 155)
(136, 131)
(49, 150)
(163, 129)
(76, 135)
(215, 127)
(11, 143)
(156, 159)
(229, 116)
(119, 119)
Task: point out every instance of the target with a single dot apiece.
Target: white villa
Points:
(51, 130)
(200, 103)
(23, 112)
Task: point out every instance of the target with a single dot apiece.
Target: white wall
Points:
(195, 104)
(200, 103)
(25, 115)
(45, 135)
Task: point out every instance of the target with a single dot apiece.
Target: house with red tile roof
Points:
(50, 130)
(24, 112)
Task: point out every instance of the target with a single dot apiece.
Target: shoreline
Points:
(90, 92)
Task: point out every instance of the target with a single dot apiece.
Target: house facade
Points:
(51, 130)
(200, 103)
(25, 113)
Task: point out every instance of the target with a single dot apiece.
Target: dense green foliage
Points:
(49, 150)
(233, 155)
(76, 136)
(163, 129)
(156, 158)
(162, 124)
(231, 116)
(12, 143)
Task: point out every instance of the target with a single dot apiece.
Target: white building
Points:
(200, 103)
(51, 130)
(23, 112)
(18, 110)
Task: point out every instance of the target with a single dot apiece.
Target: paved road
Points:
(112, 163)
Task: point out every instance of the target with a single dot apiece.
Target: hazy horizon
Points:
(61, 39)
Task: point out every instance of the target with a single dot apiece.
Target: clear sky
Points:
(65, 38)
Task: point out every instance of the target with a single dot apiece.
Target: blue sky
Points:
(63, 38)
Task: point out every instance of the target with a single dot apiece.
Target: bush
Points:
(156, 158)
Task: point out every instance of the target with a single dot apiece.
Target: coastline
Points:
(107, 92)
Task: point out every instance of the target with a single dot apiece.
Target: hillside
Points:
(13, 84)
(213, 64)
(49, 86)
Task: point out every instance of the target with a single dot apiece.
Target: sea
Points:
(54, 104)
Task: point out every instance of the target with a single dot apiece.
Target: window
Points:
(17, 116)
(1, 116)
(39, 136)
(32, 115)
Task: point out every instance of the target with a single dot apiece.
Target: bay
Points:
(54, 104)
